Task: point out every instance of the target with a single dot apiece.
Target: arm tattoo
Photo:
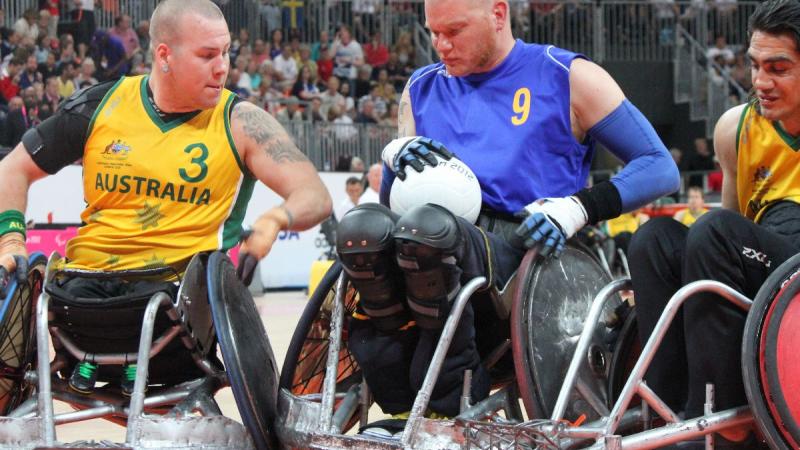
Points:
(262, 128)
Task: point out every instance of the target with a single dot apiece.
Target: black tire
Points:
(18, 336)
(246, 352)
(303, 370)
(766, 395)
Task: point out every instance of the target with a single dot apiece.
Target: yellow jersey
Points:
(627, 222)
(157, 192)
(687, 218)
(768, 163)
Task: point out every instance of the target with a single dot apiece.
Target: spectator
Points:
(49, 67)
(110, 53)
(398, 73)
(740, 73)
(9, 80)
(51, 96)
(86, 75)
(347, 55)
(43, 47)
(314, 113)
(696, 207)
(363, 84)
(233, 84)
(404, 48)
(268, 94)
(143, 33)
(720, 48)
(20, 119)
(324, 66)
(260, 51)
(9, 44)
(285, 67)
(66, 80)
(677, 156)
(42, 23)
(124, 32)
(51, 6)
(304, 88)
(270, 14)
(390, 119)
(276, 43)
(82, 13)
(378, 101)
(365, 17)
(357, 165)
(374, 177)
(305, 60)
(253, 72)
(331, 96)
(244, 82)
(30, 74)
(316, 47)
(367, 113)
(294, 48)
(376, 54)
(715, 177)
(354, 189)
(343, 129)
(291, 112)
(349, 102)
(26, 26)
(700, 160)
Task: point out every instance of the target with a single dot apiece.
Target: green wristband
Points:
(12, 221)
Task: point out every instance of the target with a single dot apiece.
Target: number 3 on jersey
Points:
(522, 106)
(199, 161)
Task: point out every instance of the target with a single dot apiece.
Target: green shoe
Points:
(83, 377)
(129, 379)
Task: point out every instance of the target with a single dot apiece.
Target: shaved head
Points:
(165, 22)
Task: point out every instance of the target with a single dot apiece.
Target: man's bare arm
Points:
(269, 153)
(725, 149)
(17, 172)
(593, 95)
(405, 117)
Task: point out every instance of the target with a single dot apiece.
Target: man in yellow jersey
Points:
(696, 207)
(170, 160)
(739, 245)
(621, 228)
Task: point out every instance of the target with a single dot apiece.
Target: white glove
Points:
(549, 223)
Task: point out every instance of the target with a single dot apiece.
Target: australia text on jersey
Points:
(150, 187)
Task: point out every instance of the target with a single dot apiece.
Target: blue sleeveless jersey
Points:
(511, 125)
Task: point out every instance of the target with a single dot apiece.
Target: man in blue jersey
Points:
(525, 118)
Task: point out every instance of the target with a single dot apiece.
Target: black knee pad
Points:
(428, 241)
(366, 249)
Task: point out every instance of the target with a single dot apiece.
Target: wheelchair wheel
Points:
(18, 335)
(770, 366)
(625, 351)
(246, 352)
(303, 369)
(551, 303)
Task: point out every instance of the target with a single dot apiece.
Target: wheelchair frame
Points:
(32, 424)
(309, 421)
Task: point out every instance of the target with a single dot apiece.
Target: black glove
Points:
(414, 151)
(21, 273)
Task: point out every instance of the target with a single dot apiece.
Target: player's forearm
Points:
(14, 186)
(309, 207)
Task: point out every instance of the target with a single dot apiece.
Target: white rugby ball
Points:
(450, 184)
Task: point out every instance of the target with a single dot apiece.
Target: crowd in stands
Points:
(335, 79)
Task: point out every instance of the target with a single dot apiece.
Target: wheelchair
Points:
(323, 397)
(172, 405)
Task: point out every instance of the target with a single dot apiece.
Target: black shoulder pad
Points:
(85, 101)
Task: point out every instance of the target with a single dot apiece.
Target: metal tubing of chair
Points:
(649, 350)
(584, 341)
(332, 366)
(27, 407)
(143, 363)
(43, 370)
(689, 429)
(424, 394)
(655, 402)
(346, 408)
(114, 358)
(86, 414)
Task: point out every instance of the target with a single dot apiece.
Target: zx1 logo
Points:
(756, 255)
